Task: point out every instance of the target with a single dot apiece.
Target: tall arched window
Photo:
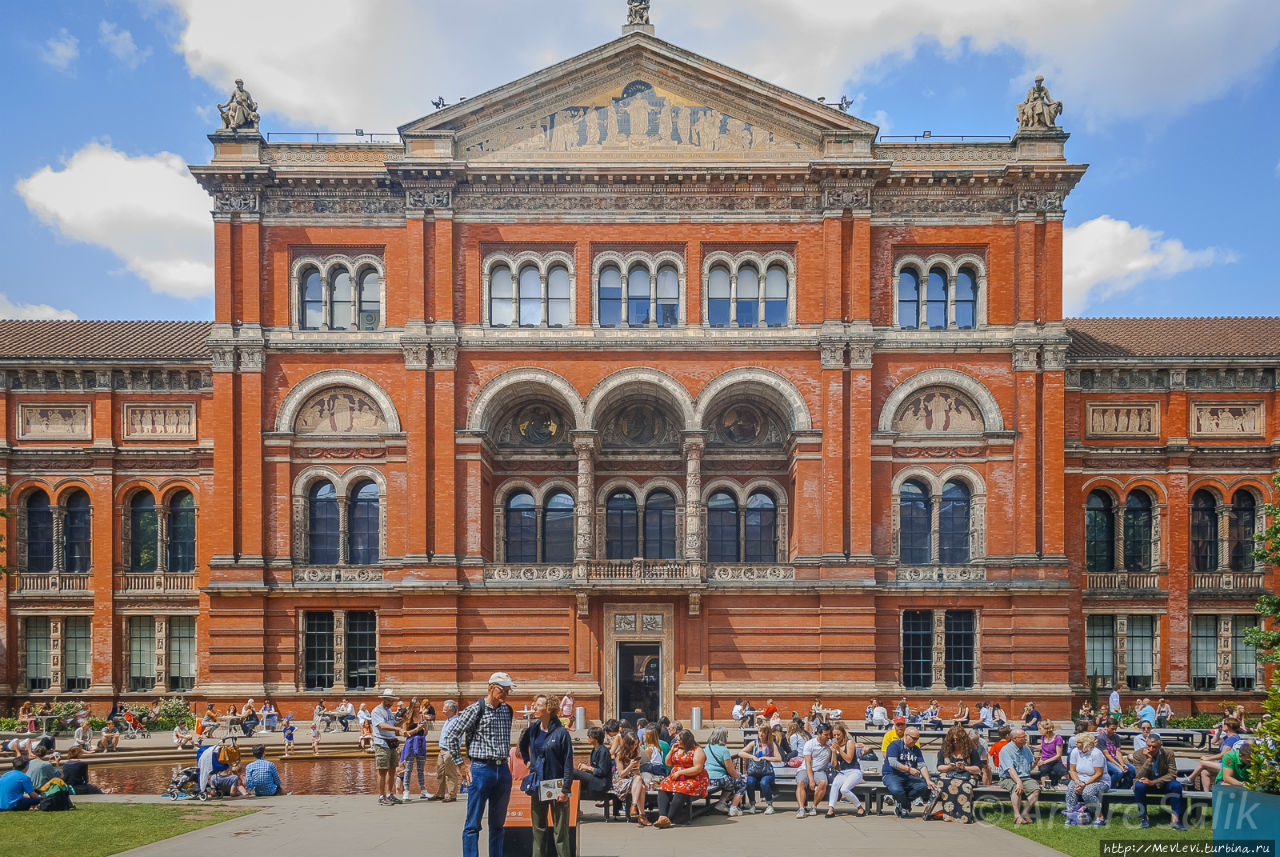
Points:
(324, 527)
(748, 297)
(915, 523)
(522, 528)
(609, 296)
(760, 529)
(1099, 532)
(362, 527)
(966, 300)
(953, 523)
(660, 526)
(908, 299)
(39, 533)
(722, 528)
(502, 297)
(621, 527)
(1137, 532)
(638, 296)
(181, 532)
(557, 528)
(1204, 531)
(143, 533)
(718, 295)
(77, 535)
(776, 286)
(312, 300)
(558, 287)
(1241, 531)
(936, 300)
(668, 297)
(530, 297)
(370, 299)
(341, 301)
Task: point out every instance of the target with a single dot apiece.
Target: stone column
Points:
(695, 444)
(1121, 657)
(162, 539)
(584, 444)
(56, 670)
(1117, 560)
(59, 530)
(1224, 537)
(343, 557)
(939, 649)
(339, 651)
(162, 654)
(935, 528)
(1224, 653)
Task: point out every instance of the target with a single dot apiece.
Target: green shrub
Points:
(8, 724)
(97, 722)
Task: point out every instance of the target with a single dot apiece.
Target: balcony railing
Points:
(1228, 581)
(646, 570)
(338, 574)
(157, 583)
(51, 583)
(1123, 581)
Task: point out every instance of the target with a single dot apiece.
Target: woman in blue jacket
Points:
(547, 748)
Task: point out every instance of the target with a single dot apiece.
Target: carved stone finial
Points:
(637, 11)
(1038, 111)
(240, 112)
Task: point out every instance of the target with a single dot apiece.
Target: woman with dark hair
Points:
(688, 778)
(75, 773)
(595, 774)
(960, 764)
(627, 778)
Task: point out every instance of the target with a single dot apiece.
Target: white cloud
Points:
(121, 45)
(61, 50)
(8, 309)
(1104, 256)
(145, 209)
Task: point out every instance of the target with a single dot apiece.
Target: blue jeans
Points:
(1173, 789)
(490, 784)
(764, 783)
(904, 788)
(1121, 778)
(345, 720)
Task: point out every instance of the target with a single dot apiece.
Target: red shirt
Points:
(770, 710)
(994, 753)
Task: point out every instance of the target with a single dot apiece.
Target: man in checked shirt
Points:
(486, 726)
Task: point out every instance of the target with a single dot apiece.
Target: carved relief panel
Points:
(936, 410)
(1128, 419)
(340, 410)
(159, 422)
(1227, 419)
(746, 426)
(54, 422)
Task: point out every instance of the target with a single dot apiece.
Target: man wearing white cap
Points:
(385, 731)
(486, 726)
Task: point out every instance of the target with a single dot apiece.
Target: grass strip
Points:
(99, 829)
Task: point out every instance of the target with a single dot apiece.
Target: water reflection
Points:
(300, 775)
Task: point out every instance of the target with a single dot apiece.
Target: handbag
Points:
(759, 768)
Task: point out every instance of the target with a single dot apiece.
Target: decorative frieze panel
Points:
(527, 573)
(429, 198)
(340, 410)
(846, 198)
(338, 574)
(751, 573)
(940, 574)
(54, 422)
(940, 204)
(333, 203)
(588, 199)
(943, 153)
(330, 154)
(1227, 419)
(235, 201)
(1143, 378)
(1127, 419)
(938, 409)
(159, 422)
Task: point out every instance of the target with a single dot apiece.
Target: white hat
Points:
(387, 694)
(501, 679)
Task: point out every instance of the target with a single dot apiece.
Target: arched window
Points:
(908, 299)
(722, 528)
(915, 523)
(953, 524)
(1099, 532)
(609, 298)
(143, 533)
(622, 536)
(362, 527)
(1240, 532)
(39, 533)
(558, 295)
(341, 301)
(936, 300)
(324, 527)
(718, 295)
(668, 297)
(1137, 532)
(776, 287)
(370, 299)
(660, 526)
(522, 528)
(530, 297)
(77, 533)
(638, 296)
(312, 300)
(557, 528)
(502, 297)
(748, 297)
(1204, 531)
(760, 529)
(966, 301)
(181, 532)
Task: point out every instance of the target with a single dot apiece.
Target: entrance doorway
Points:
(639, 680)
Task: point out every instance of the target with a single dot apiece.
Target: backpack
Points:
(57, 797)
(470, 734)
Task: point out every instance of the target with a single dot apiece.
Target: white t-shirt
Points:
(819, 754)
(1087, 764)
(737, 712)
(879, 715)
(1114, 701)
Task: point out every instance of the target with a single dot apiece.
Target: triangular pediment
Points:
(637, 99)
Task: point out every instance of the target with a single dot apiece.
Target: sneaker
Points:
(721, 806)
(749, 810)
(395, 800)
(800, 813)
(1177, 825)
(1100, 821)
(385, 801)
(813, 810)
(426, 795)
(768, 810)
(734, 812)
(1144, 823)
(404, 797)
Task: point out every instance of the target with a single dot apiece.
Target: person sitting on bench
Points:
(1156, 768)
(904, 772)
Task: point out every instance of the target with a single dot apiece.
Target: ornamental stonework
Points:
(54, 422)
(1227, 419)
(159, 422)
(936, 410)
(1129, 419)
(337, 411)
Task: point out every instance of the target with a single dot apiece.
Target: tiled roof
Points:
(104, 340)
(1245, 336)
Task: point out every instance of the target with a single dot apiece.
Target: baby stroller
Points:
(185, 785)
(133, 727)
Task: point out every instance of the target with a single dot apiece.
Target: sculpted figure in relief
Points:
(240, 111)
(938, 409)
(1038, 111)
(637, 11)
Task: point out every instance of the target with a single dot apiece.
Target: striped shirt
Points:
(490, 728)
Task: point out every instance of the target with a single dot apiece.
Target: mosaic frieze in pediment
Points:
(339, 411)
(745, 426)
(938, 410)
(534, 426)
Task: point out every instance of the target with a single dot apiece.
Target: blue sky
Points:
(1170, 102)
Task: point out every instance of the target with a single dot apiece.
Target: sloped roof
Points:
(1244, 336)
(104, 340)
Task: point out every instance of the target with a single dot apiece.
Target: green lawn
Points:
(1083, 841)
(99, 829)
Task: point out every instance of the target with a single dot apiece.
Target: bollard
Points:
(697, 718)
(579, 719)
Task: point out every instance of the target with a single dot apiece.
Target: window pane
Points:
(77, 640)
(324, 524)
(748, 297)
(1241, 531)
(142, 533)
(1137, 532)
(959, 641)
(1204, 531)
(182, 532)
(760, 529)
(718, 297)
(182, 653)
(660, 526)
(953, 523)
(501, 297)
(622, 536)
(917, 649)
(722, 528)
(1099, 648)
(775, 297)
(317, 650)
(1141, 663)
(362, 649)
(39, 672)
(557, 528)
(1204, 652)
(908, 299)
(370, 300)
(362, 531)
(668, 297)
(610, 297)
(558, 297)
(340, 303)
(936, 310)
(142, 653)
(312, 300)
(966, 299)
(638, 297)
(915, 523)
(1244, 657)
(76, 533)
(39, 533)
(1099, 533)
(530, 297)
(522, 528)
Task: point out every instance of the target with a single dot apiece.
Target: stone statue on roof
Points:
(1038, 111)
(240, 113)
(637, 11)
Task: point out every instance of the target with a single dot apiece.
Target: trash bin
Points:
(579, 718)
(697, 718)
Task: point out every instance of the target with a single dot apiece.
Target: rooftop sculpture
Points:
(240, 112)
(1038, 111)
